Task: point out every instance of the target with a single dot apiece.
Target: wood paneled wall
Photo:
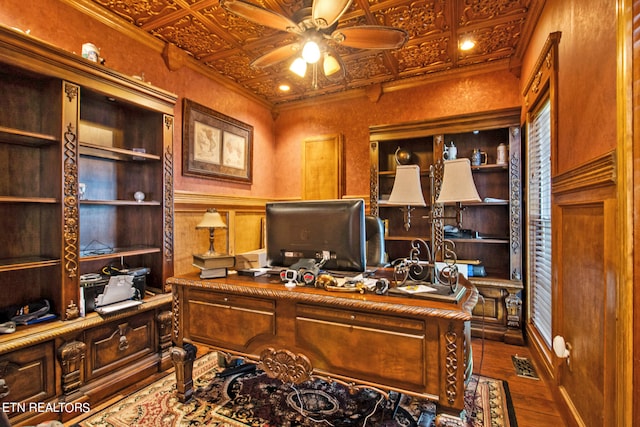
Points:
(244, 217)
(585, 282)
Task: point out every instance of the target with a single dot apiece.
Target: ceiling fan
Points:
(316, 25)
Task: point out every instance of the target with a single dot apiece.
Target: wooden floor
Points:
(532, 399)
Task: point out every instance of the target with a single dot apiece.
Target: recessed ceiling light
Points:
(467, 44)
(284, 87)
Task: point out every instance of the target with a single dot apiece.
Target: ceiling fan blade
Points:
(278, 54)
(370, 37)
(326, 12)
(260, 15)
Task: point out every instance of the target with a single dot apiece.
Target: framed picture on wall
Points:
(214, 145)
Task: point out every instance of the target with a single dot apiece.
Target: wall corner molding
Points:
(596, 173)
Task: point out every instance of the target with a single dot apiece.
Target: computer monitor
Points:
(334, 229)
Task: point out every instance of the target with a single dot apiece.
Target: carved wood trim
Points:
(58, 329)
(373, 178)
(463, 123)
(31, 53)
(164, 321)
(451, 366)
(175, 310)
(284, 294)
(72, 357)
(168, 189)
(186, 201)
(545, 70)
(285, 365)
(596, 173)
(70, 168)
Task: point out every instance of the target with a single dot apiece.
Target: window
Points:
(539, 223)
(540, 100)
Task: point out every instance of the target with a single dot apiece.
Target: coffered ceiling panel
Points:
(227, 44)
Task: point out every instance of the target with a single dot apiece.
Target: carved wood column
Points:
(72, 356)
(164, 320)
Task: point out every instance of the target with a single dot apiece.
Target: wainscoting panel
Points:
(244, 218)
(584, 308)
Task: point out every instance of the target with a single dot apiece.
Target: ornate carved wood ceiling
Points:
(226, 44)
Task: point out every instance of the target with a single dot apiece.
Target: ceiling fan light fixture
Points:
(330, 65)
(311, 52)
(299, 67)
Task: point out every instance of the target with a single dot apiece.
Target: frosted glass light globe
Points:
(139, 196)
(311, 52)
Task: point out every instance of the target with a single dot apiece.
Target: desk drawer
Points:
(361, 318)
(230, 321)
(373, 347)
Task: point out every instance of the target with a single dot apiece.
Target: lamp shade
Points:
(407, 190)
(212, 219)
(457, 183)
(330, 65)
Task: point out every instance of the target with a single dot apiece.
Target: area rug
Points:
(255, 400)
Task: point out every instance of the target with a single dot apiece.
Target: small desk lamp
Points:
(407, 191)
(456, 186)
(211, 220)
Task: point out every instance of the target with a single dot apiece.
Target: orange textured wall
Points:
(67, 28)
(586, 79)
(483, 92)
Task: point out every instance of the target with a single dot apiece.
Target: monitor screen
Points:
(333, 229)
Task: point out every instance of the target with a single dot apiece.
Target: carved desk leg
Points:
(183, 358)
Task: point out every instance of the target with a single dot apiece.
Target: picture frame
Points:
(214, 145)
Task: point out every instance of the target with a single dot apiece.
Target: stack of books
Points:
(212, 267)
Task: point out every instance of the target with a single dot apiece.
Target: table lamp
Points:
(456, 186)
(407, 191)
(211, 221)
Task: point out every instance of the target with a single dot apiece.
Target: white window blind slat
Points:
(539, 198)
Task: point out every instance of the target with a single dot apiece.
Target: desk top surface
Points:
(272, 287)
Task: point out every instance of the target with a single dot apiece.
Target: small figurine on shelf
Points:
(478, 157)
(502, 154)
(450, 152)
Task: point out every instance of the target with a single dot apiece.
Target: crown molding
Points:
(394, 86)
(128, 29)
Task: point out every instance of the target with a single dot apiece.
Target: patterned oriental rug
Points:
(255, 400)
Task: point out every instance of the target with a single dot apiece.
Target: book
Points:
(217, 261)
(212, 273)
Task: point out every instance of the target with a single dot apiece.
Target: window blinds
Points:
(539, 197)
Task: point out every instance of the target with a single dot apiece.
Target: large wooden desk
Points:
(414, 346)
